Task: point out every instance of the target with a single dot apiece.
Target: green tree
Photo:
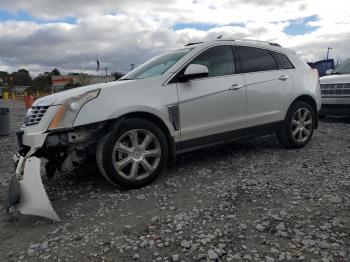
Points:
(5, 78)
(117, 75)
(20, 78)
(55, 72)
(42, 81)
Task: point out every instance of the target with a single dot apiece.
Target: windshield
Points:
(344, 68)
(157, 65)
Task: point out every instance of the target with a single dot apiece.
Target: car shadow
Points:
(223, 151)
(210, 154)
(65, 190)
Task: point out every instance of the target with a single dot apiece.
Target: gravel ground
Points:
(251, 201)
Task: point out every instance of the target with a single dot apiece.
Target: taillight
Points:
(317, 74)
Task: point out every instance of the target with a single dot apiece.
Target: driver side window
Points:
(218, 60)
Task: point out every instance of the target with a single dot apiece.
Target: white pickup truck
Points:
(335, 91)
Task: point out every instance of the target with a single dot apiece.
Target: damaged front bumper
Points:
(65, 150)
(26, 191)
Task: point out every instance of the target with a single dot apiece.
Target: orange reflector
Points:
(58, 116)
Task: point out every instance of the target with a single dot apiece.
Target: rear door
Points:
(210, 107)
(269, 88)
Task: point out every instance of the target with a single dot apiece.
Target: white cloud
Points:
(125, 32)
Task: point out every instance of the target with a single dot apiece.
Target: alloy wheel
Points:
(136, 154)
(302, 125)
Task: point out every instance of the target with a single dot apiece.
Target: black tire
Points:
(285, 133)
(105, 154)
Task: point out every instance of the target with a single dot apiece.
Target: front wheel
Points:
(298, 127)
(133, 155)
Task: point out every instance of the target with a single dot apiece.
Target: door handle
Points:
(283, 77)
(235, 87)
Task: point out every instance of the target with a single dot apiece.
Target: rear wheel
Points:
(133, 155)
(298, 127)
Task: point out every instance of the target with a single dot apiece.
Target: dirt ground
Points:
(252, 201)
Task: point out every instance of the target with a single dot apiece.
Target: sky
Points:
(40, 35)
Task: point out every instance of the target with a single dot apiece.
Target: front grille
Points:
(330, 90)
(35, 115)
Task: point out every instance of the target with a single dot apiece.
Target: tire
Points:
(298, 126)
(133, 155)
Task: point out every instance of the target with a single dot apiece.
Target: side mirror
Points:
(194, 71)
(329, 71)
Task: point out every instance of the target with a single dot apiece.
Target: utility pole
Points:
(97, 63)
(132, 66)
(329, 48)
(106, 71)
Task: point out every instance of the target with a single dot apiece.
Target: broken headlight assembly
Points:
(68, 111)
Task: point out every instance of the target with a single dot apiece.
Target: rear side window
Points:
(219, 61)
(255, 59)
(283, 61)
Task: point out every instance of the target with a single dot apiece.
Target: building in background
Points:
(60, 82)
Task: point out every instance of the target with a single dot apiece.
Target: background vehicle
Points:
(335, 91)
(203, 94)
(322, 66)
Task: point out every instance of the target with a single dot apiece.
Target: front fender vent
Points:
(174, 116)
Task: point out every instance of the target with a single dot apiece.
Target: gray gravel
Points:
(252, 201)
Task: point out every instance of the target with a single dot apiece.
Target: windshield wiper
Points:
(125, 79)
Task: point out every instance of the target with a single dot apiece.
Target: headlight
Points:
(67, 112)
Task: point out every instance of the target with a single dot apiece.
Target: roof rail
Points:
(194, 43)
(275, 44)
(252, 40)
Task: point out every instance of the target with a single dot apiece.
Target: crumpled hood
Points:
(335, 79)
(60, 97)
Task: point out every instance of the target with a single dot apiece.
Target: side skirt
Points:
(221, 138)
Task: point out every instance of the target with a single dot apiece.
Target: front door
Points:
(212, 107)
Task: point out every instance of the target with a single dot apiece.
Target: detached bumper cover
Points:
(28, 195)
(13, 193)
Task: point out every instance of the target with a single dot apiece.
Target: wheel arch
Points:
(311, 101)
(116, 122)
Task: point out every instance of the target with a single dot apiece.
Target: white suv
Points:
(335, 90)
(197, 96)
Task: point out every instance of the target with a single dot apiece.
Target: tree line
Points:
(41, 82)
